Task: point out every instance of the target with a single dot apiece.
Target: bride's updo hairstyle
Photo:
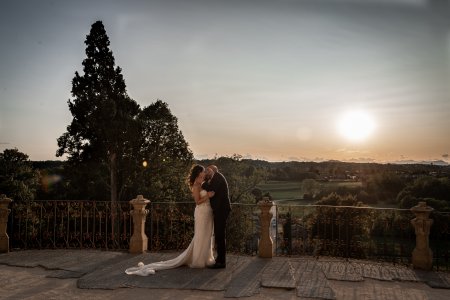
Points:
(193, 174)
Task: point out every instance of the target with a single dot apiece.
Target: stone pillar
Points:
(139, 241)
(4, 212)
(265, 247)
(422, 256)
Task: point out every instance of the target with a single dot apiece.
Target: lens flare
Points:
(48, 181)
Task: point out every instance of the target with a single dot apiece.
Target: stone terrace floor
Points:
(95, 274)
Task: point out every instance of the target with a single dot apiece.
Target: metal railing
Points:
(381, 234)
(170, 226)
(69, 224)
(351, 232)
(52, 224)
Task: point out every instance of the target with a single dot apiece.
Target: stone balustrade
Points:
(265, 246)
(422, 256)
(139, 240)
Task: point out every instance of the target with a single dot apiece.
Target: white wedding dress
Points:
(198, 254)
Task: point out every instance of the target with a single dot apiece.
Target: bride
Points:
(199, 253)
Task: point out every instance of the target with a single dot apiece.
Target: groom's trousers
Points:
(220, 221)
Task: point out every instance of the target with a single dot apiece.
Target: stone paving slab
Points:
(312, 282)
(65, 274)
(113, 276)
(244, 276)
(402, 273)
(438, 280)
(247, 280)
(280, 273)
(219, 279)
(211, 280)
(77, 261)
(340, 270)
(373, 270)
(207, 280)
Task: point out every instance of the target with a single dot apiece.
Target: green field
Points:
(282, 189)
(291, 191)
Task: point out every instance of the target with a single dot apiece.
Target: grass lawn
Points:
(292, 190)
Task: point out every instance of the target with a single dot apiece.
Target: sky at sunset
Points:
(360, 80)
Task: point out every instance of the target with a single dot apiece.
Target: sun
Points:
(356, 125)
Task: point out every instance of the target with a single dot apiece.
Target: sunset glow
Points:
(356, 125)
(273, 80)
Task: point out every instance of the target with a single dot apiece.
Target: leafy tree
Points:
(164, 158)
(435, 190)
(310, 187)
(340, 231)
(241, 175)
(52, 186)
(18, 180)
(88, 181)
(364, 197)
(385, 187)
(293, 171)
(257, 193)
(104, 129)
(338, 200)
(407, 200)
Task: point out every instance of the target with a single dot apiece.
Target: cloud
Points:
(352, 151)
(202, 156)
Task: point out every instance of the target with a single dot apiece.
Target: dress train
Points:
(198, 254)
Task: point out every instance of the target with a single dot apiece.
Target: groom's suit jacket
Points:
(220, 202)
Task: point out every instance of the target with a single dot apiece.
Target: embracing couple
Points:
(210, 192)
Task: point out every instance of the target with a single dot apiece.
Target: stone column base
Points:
(422, 259)
(138, 245)
(4, 244)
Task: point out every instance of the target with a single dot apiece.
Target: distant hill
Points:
(424, 162)
(48, 164)
(403, 165)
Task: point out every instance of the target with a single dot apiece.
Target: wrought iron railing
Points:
(350, 232)
(382, 234)
(69, 224)
(170, 226)
(345, 231)
(440, 240)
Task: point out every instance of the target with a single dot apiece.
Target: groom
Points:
(221, 206)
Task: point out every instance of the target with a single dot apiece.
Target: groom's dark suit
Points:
(221, 206)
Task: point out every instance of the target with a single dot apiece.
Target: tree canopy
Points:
(109, 131)
(18, 180)
(242, 177)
